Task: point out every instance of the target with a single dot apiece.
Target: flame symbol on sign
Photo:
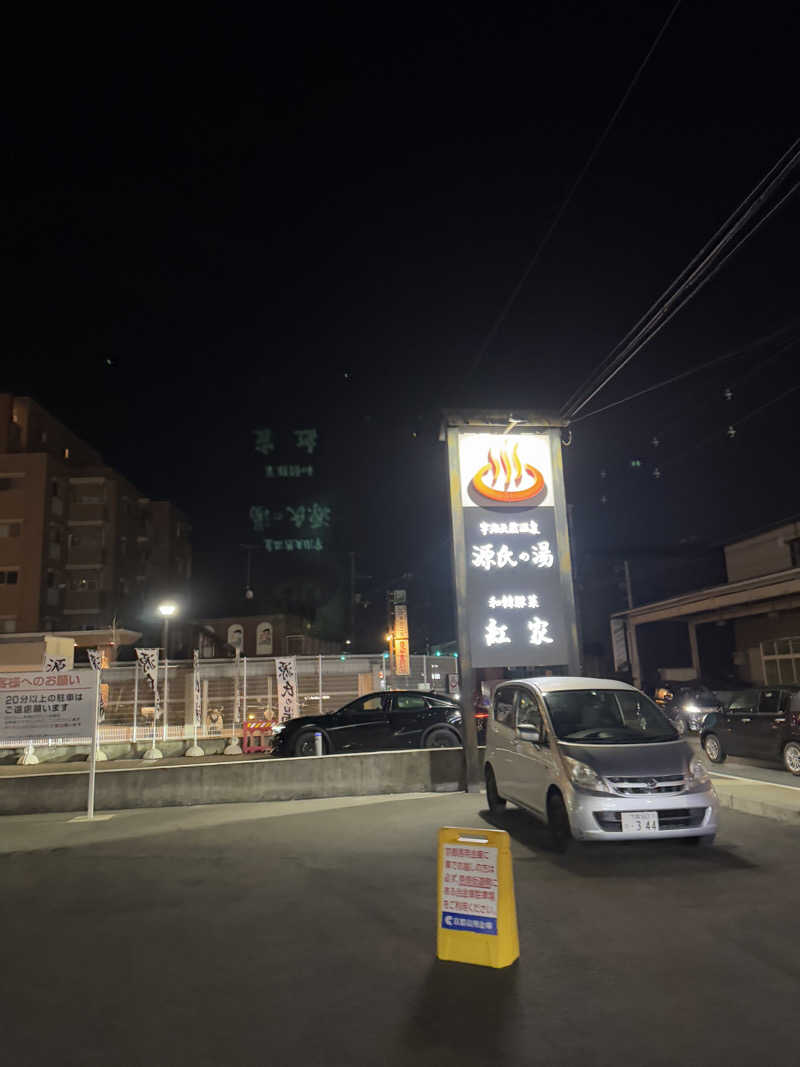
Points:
(513, 470)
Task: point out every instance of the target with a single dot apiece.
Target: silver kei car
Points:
(598, 760)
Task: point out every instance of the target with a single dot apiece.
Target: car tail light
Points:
(481, 714)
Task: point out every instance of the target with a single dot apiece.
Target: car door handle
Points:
(781, 718)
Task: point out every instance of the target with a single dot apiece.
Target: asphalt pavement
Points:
(304, 933)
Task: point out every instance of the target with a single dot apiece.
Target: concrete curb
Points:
(428, 770)
(751, 806)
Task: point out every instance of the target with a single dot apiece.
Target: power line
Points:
(506, 308)
(705, 264)
(756, 368)
(688, 373)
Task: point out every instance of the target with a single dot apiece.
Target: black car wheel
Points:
(304, 745)
(791, 757)
(713, 748)
(441, 738)
(496, 802)
(558, 822)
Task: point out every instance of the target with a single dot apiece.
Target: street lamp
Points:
(166, 610)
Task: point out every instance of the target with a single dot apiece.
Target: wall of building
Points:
(22, 517)
(87, 543)
(767, 553)
(290, 636)
(754, 629)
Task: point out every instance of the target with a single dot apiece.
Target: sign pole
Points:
(196, 704)
(194, 749)
(135, 702)
(472, 769)
(166, 678)
(244, 688)
(93, 750)
(234, 748)
(564, 555)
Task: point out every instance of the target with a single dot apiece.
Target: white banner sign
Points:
(35, 706)
(148, 659)
(54, 664)
(286, 669)
(95, 658)
(619, 644)
(198, 696)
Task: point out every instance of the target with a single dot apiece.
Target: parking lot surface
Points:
(304, 932)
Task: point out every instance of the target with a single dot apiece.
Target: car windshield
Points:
(607, 717)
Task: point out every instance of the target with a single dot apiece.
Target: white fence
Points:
(326, 682)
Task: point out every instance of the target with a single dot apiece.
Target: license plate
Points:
(639, 822)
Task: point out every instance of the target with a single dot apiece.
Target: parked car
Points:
(598, 760)
(763, 723)
(376, 722)
(686, 704)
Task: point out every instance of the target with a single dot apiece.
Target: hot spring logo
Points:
(506, 479)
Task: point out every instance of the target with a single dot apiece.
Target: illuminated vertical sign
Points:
(402, 662)
(513, 572)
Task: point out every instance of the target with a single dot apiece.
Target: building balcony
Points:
(93, 511)
(77, 601)
(86, 556)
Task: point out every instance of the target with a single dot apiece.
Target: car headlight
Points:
(698, 772)
(277, 729)
(691, 709)
(584, 777)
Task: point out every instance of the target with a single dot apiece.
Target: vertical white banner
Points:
(198, 692)
(286, 670)
(148, 658)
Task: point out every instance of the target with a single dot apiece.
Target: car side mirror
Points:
(530, 733)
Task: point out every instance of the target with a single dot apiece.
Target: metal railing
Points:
(323, 682)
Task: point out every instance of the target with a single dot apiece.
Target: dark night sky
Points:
(313, 219)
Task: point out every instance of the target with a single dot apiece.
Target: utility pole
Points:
(352, 594)
(628, 591)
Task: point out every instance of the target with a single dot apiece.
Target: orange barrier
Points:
(256, 736)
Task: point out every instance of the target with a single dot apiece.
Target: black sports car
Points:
(376, 722)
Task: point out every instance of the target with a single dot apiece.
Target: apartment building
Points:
(80, 546)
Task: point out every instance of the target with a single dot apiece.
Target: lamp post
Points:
(389, 638)
(166, 610)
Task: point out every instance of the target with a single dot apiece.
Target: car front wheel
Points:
(496, 802)
(441, 739)
(712, 747)
(791, 757)
(558, 822)
(304, 745)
